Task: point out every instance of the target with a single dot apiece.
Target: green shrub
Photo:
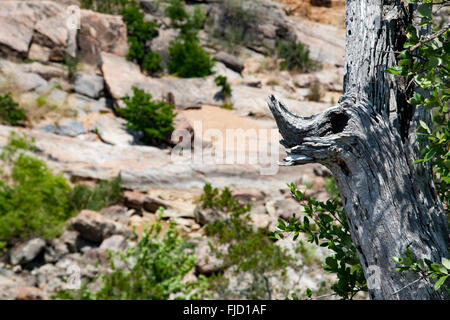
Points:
(155, 269)
(176, 12)
(107, 6)
(315, 92)
(326, 225)
(295, 56)
(188, 59)
(238, 20)
(72, 65)
(104, 194)
(198, 18)
(153, 118)
(250, 250)
(35, 202)
(222, 82)
(10, 113)
(140, 32)
(331, 188)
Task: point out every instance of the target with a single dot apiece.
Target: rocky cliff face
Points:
(73, 118)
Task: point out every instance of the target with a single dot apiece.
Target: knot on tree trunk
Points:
(319, 138)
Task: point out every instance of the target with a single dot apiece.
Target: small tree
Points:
(153, 118)
(10, 113)
(187, 57)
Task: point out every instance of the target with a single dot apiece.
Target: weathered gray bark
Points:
(369, 143)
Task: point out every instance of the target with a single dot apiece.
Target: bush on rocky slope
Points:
(36, 202)
(140, 33)
(251, 253)
(295, 56)
(10, 113)
(154, 269)
(153, 118)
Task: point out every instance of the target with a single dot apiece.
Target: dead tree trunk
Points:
(369, 143)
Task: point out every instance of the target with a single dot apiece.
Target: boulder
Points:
(249, 195)
(15, 38)
(46, 71)
(27, 81)
(26, 251)
(112, 130)
(230, 61)
(29, 293)
(117, 213)
(205, 216)
(115, 243)
(69, 127)
(101, 32)
(58, 97)
(38, 52)
(44, 22)
(94, 227)
(161, 43)
(90, 85)
(134, 200)
(181, 126)
(152, 204)
(57, 249)
(207, 261)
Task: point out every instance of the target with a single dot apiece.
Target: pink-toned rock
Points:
(134, 199)
(183, 133)
(29, 293)
(94, 227)
(101, 32)
(249, 195)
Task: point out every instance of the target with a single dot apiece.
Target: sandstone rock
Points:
(101, 32)
(27, 81)
(70, 127)
(96, 255)
(152, 205)
(83, 104)
(207, 261)
(249, 195)
(46, 71)
(252, 101)
(262, 220)
(117, 213)
(29, 293)
(161, 43)
(14, 36)
(58, 97)
(134, 200)
(181, 125)
(114, 243)
(326, 43)
(205, 216)
(112, 130)
(69, 238)
(38, 52)
(230, 61)
(57, 249)
(90, 85)
(92, 226)
(27, 251)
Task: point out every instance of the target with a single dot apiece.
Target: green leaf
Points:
(440, 282)
(446, 262)
(425, 11)
(425, 126)
(395, 70)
